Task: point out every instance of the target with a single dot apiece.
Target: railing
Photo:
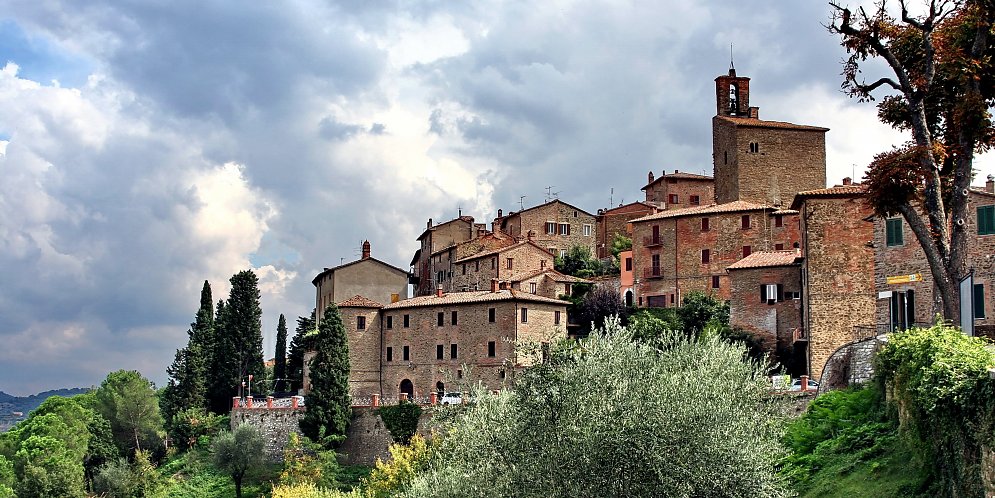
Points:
(653, 272)
(267, 402)
(652, 241)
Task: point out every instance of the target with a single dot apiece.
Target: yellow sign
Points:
(904, 279)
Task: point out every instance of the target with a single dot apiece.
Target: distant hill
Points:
(10, 405)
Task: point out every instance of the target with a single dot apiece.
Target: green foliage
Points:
(394, 476)
(579, 262)
(308, 490)
(305, 462)
(238, 345)
(698, 308)
(939, 378)
(597, 305)
(401, 420)
(298, 346)
(187, 385)
(328, 404)
(121, 479)
(280, 368)
(236, 453)
(611, 416)
(128, 402)
(189, 426)
(46, 466)
(7, 478)
(620, 243)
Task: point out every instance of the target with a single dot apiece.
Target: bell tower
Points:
(732, 94)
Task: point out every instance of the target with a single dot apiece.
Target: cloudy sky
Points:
(147, 146)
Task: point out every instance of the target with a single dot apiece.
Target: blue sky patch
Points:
(41, 59)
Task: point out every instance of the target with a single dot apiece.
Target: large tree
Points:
(298, 346)
(328, 403)
(280, 368)
(237, 349)
(187, 385)
(236, 453)
(941, 86)
(128, 401)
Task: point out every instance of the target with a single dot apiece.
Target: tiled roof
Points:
(330, 270)
(465, 219)
(358, 301)
(500, 250)
(765, 259)
(631, 204)
(759, 123)
(516, 213)
(678, 176)
(837, 191)
(472, 297)
(555, 275)
(728, 207)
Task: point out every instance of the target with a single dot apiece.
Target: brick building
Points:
(366, 276)
(766, 290)
(761, 161)
(679, 190)
(556, 225)
(838, 269)
(615, 221)
(424, 271)
(904, 283)
(681, 250)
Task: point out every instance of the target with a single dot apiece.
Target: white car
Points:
(451, 399)
(796, 385)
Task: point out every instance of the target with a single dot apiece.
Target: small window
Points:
(747, 250)
(390, 353)
(550, 228)
(778, 220)
(563, 253)
(390, 322)
(564, 229)
(575, 214)
(360, 323)
(715, 281)
(440, 318)
(979, 300)
(407, 355)
(725, 157)
(628, 264)
(754, 147)
(778, 247)
(502, 374)
(771, 293)
(494, 263)
(476, 265)
(464, 268)
(452, 318)
(453, 352)
(525, 315)
(439, 352)
(532, 287)
(552, 250)
(986, 220)
(893, 232)
(491, 349)
(706, 256)
(459, 374)
(491, 315)
(587, 230)
(745, 221)
(694, 200)
(556, 318)
(407, 321)
(542, 264)
(704, 225)
(673, 199)
(510, 264)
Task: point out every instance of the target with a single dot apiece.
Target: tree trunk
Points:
(238, 486)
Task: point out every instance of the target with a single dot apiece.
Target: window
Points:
(390, 322)
(525, 315)
(556, 318)
(979, 300)
(464, 268)
(656, 235)
(491, 349)
(407, 321)
(452, 318)
(563, 253)
(459, 374)
(986, 220)
(725, 157)
(695, 200)
(439, 352)
(778, 220)
(532, 287)
(893, 232)
(754, 147)
(704, 224)
(510, 263)
(550, 228)
(390, 353)
(903, 307)
(771, 293)
(715, 281)
(575, 214)
(673, 199)
(476, 265)
(656, 265)
(491, 315)
(746, 221)
(542, 264)
(706, 256)
(407, 355)
(453, 352)
(747, 250)
(440, 318)
(360, 323)
(564, 229)
(552, 250)
(628, 264)
(778, 247)
(494, 263)
(587, 230)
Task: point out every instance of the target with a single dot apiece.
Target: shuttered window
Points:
(979, 300)
(893, 232)
(986, 220)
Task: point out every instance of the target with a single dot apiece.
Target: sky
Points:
(146, 147)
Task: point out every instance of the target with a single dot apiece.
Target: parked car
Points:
(451, 399)
(796, 385)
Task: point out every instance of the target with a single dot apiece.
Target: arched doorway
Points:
(440, 387)
(408, 387)
(628, 298)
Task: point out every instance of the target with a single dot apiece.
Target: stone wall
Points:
(275, 425)
(773, 322)
(851, 364)
(368, 439)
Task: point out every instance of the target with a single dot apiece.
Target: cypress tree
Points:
(298, 346)
(280, 368)
(187, 385)
(238, 341)
(328, 404)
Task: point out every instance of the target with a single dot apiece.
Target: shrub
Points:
(401, 420)
(395, 475)
(305, 462)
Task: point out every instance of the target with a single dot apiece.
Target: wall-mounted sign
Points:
(904, 279)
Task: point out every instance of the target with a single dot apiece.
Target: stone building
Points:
(366, 276)
(505, 264)
(424, 272)
(761, 161)
(766, 291)
(451, 277)
(837, 267)
(681, 250)
(556, 226)
(615, 221)
(679, 190)
(902, 278)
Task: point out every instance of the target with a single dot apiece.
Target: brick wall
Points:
(535, 219)
(364, 350)
(616, 221)
(476, 273)
(773, 322)
(659, 192)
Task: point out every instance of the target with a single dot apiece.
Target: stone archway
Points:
(628, 298)
(407, 387)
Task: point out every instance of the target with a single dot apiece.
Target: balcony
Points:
(653, 272)
(652, 241)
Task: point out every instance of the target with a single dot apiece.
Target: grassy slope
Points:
(894, 473)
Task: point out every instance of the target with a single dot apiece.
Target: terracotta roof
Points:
(679, 176)
(837, 191)
(555, 275)
(358, 301)
(330, 270)
(759, 123)
(765, 259)
(465, 219)
(500, 250)
(623, 206)
(472, 297)
(728, 207)
(516, 213)
(982, 191)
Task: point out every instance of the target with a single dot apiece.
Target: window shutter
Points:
(910, 308)
(894, 311)
(763, 293)
(979, 300)
(780, 292)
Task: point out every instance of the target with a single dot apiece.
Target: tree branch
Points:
(883, 81)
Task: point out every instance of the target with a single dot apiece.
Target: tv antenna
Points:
(550, 195)
(521, 203)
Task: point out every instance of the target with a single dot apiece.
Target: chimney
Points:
(366, 249)
(677, 171)
(650, 178)
(754, 112)
(438, 291)
(990, 185)
(530, 234)
(494, 285)
(429, 223)
(848, 181)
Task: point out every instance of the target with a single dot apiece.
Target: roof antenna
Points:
(732, 65)
(521, 203)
